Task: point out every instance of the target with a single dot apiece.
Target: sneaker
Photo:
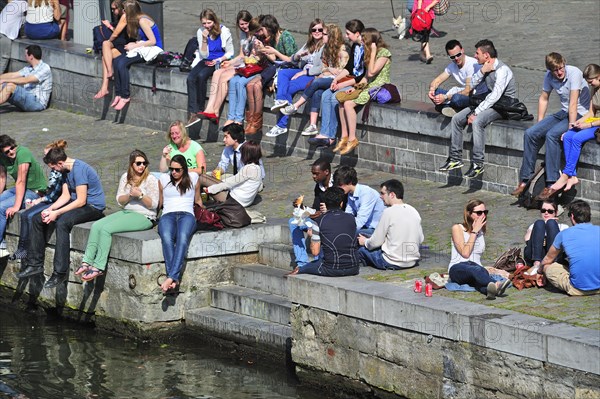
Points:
(276, 131)
(289, 110)
(55, 280)
(450, 164)
(311, 130)
(448, 112)
(193, 120)
(475, 170)
(505, 284)
(279, 104)
(492, 290)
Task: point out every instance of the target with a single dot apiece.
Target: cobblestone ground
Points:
(106, 145)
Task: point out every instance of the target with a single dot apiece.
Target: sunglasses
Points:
(550, 211)
(9, 150)
(177, 170)
(455, 56)
(114, 8)
(479, 213)
(140, 163)
(315, 30)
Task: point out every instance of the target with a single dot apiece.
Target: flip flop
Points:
(91, 274)
(82, 269)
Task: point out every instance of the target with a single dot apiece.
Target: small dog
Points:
(402, 26)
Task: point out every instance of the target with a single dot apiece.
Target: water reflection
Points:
(41, 358)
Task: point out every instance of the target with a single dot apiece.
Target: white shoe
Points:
(289, 110)
(279, 104)
(4, 253)
(448, 112)
(533, 271)
(311, 130)
(276, 131)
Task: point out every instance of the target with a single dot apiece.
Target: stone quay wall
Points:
(410, 139)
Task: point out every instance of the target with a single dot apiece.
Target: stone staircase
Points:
(254, 309)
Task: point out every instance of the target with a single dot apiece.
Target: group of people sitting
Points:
(42, 19)
(73, 194)
(352, 224)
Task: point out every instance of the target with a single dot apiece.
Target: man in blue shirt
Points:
(82, 200)
(363, 202)
(581, 244)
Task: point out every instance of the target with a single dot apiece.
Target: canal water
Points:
(41, 358)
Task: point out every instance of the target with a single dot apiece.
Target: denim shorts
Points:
(25, 100)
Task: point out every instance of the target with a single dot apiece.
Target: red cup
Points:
(428, 289)
(418, 286)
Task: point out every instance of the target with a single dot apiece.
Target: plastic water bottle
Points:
(217, 65)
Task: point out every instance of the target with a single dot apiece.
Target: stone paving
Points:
(105, 145)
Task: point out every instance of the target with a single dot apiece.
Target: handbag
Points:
(508, 107)
(207, 219)
(232, 214)
(343, 96)
(386, 93)
(509, 259)
(441, 8)
(249, 70)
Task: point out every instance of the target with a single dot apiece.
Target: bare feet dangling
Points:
(167, 284)
(101, 93)
(115, 101)
(122, 103)
(573, 180)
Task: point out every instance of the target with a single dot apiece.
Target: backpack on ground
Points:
(100, 34)
(534, 187)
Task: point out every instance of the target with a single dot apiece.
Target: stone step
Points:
(241, 329)
(261, 278)
(277, 255)
(249, 302)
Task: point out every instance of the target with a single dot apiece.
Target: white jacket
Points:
(226, 41)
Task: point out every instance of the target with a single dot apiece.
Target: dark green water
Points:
(53, 359)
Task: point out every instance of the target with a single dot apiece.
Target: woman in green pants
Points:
(138, 196)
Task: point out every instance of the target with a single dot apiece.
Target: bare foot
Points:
(293, 272)
(115, 101)
(573, 180)
(560, 183)
(101, 93)
(121, 104)
(167, 284)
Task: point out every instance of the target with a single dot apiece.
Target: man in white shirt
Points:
(28, 89)
(574, 94)
(461, 69)
(395, 243)
(500, 82)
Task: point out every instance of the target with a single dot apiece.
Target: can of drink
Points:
(28, 203)
(204, 197)
(218, 174)
(418, 286)
(519, 265)
(428, 289)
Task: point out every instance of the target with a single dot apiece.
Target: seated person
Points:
(180, 143)
(395, 243)
(41, 20)
(28, 89)
(540, 235)
(580, 245)
(363, 202)
(245, 185)
(334, 230)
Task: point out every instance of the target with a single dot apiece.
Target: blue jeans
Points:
(316, 267)
(286, 88)
(459, 121)
(7, 200)
(457, 101)
(375, 259)
(572, 143)
(314, 92)
(25, 100)
(329, 113)
(237, 97)
(548, 131)
(176, 230)
(196, 86)
(542, 232)
(26, 218)
(472, 274)
(299, 243)
(121, 66)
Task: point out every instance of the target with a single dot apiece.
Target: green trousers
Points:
(100, 240)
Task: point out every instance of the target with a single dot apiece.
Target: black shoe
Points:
(30, 271)
(451, 164)
(319, 142)
(475, 170)
(55, 279)
(186, 65)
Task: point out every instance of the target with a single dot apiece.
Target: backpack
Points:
(420, 21)
(100, 34)
(165, 59)
(534, 187)
(441, 7)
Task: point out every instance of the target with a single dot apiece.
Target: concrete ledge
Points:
(531, 337)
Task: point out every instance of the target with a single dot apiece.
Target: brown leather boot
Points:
(248, 117)
(250, 123)
(258, 120)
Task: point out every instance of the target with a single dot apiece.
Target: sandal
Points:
(83, 268)
(91, 274)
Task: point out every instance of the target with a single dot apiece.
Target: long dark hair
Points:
(467, 219)
(185, 183)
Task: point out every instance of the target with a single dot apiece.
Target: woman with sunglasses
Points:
(178, 191)
(30, 182)
(468, 244)
(180, 143)
(292, 80)
(138, 196)
(540, 235)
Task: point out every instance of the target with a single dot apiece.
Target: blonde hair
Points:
(182, 129)
(133, 12)
(56, 144)
(372, 35)
(212, 16)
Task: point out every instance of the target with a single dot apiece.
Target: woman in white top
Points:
(178, 191)
(244, 185)
(41, 19)
(468, 245)
(540, 235)
(138, 196)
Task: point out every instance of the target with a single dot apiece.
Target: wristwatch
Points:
(141, 197)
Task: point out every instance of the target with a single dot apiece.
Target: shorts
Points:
(25, 100)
